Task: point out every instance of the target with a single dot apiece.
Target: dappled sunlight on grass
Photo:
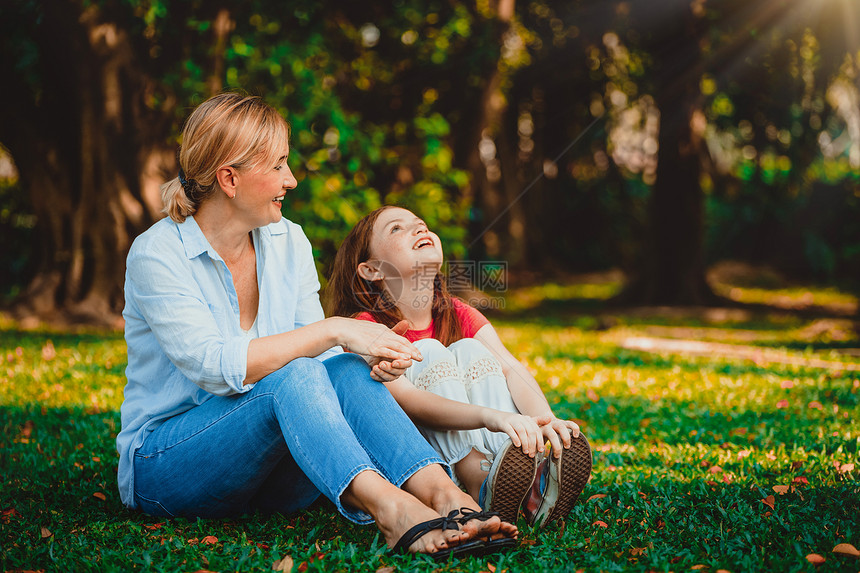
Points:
(55, 369)
(796, 297)
(529, 297)
(687, 451)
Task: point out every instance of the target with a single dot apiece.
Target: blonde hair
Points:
(227, 129)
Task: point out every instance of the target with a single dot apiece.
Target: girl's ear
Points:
(369, 272)
(227, 180)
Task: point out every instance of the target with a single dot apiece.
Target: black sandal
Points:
(444, 523)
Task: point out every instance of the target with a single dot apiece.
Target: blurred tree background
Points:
(655, 136)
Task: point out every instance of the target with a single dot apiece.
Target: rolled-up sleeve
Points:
(190, 331)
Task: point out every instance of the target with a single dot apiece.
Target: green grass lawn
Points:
(700, 462)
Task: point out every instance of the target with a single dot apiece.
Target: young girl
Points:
(473, 401)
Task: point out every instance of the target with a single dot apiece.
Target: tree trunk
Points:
(88, 127)
(672, 271)
(78, 148)
(486, 188)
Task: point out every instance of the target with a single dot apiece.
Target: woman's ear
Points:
(228, 180)
(369, 272)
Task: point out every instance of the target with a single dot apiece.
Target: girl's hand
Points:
(559, 433)
(525, 431)
(388, 370)
(374, 340)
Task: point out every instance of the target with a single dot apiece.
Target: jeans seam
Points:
(153, 502)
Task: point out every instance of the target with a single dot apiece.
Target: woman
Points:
(237, 399)
(477, 405)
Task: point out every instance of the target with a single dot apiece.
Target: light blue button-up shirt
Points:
(185, 344)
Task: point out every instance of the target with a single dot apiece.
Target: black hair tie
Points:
(187, 185)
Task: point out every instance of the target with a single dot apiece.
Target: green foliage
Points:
(686, 450)
(349, 158)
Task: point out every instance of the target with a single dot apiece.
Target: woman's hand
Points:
(374, 340)
(559, 433)
(525, 431)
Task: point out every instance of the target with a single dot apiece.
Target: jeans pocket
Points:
(151, 506)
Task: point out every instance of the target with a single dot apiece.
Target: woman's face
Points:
(402, 245)
(261, 191)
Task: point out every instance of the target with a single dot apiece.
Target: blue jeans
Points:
(306, 429)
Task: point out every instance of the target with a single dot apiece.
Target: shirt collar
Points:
(195, 241)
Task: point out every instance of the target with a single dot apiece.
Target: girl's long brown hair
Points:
(349, 294)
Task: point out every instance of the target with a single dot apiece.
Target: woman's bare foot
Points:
(397, 511)
(397, 517)
(494, 528)
(432, 486)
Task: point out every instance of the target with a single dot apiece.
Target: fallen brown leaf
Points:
(815, 559)
(815, 404)
(698, 567)
(154, 526)
(847, 549)
(782, 404)
(768, 501)
(45, 532)
(800, 480)
(99, 495)
(635, 551)
(845, 468)
(209, 540)
(781, 489)
(285, 564)
(600, 523)
(193, 541)
(596, 496)
(6, 514)
(388, 569)
(715, 469)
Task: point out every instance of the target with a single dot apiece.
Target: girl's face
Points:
(401, 244)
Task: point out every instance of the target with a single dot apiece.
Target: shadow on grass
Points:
(601, 314)
(37, 338)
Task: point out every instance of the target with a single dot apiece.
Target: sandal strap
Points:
(449, 521)
(467, 514)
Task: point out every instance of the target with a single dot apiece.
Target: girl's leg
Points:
(485, 384)
(440, 374)
(212, 460)
(511, 472)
